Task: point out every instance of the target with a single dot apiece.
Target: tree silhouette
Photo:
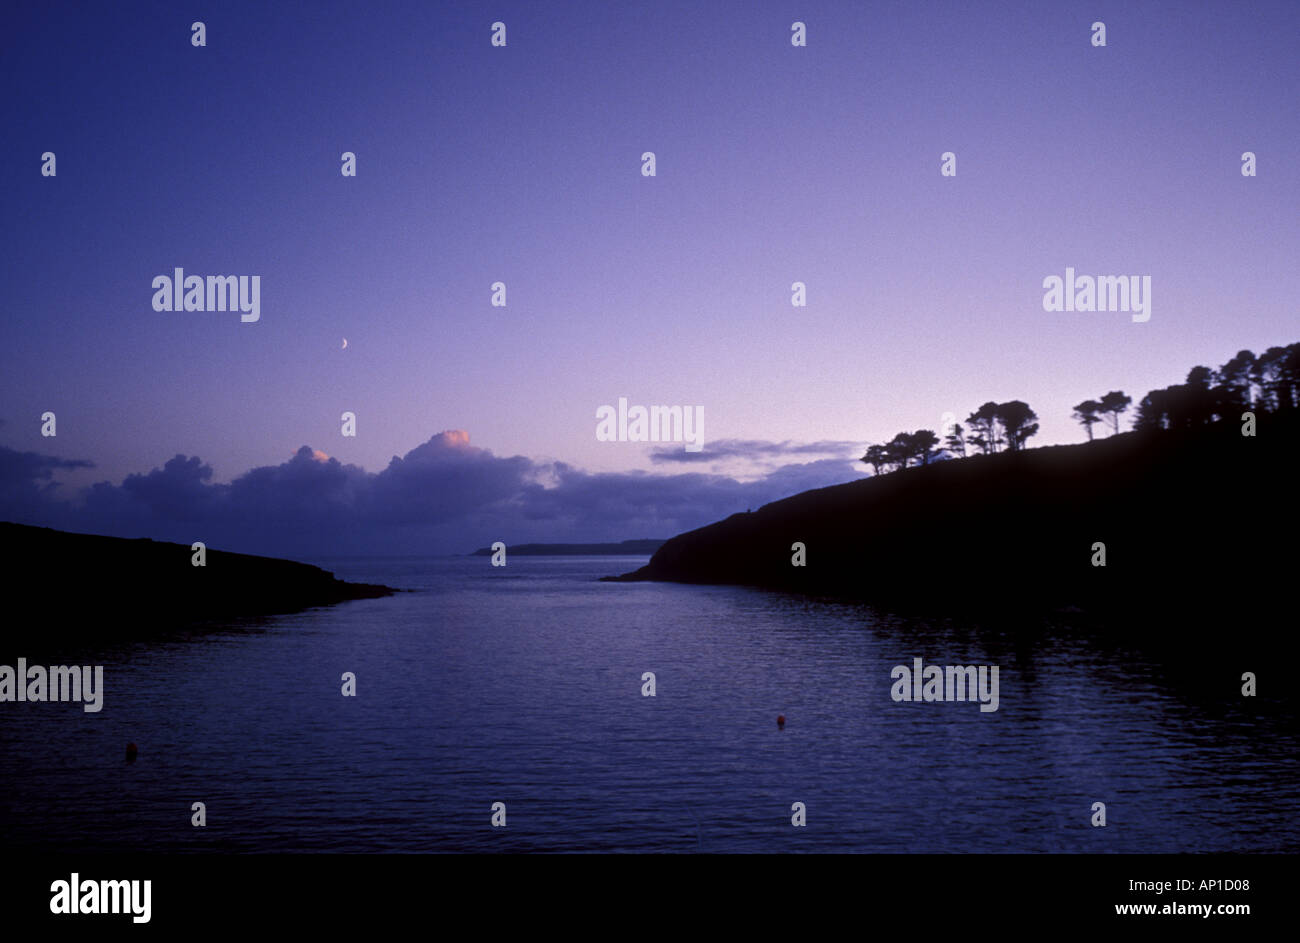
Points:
(1278, 372)
(1086, 415)
(875, 457)
(955, 441)
(1112, 404)
(1291, 376)
(984, 428)
(1237, 375)
(1198, 397)
(1182, 406)
(1266, 383)
(1264, 374)
(899, 450)
(1018, 421)
(1154, 412)
(923, 445)
(902, 450)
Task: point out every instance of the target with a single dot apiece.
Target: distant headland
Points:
(626, 548)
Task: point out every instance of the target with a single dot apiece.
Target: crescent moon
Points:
(345, 344)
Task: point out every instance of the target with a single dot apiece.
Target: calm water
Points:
(523, 685)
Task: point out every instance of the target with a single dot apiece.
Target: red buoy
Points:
(131, 751)
(780, 720)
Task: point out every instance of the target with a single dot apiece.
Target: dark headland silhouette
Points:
(86, 585)
(1198, 521)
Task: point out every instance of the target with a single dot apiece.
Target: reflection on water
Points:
(523, 685)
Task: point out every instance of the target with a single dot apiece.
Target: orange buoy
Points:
(780, 720)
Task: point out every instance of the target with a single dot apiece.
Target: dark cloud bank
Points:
(445, 496)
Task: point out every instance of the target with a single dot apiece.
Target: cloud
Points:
(27, 480)
(751, 449)
(443, 496)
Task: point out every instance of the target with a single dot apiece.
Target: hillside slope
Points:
(77, 585)
(1202, 521)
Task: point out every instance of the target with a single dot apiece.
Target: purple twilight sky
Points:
(522, 164)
